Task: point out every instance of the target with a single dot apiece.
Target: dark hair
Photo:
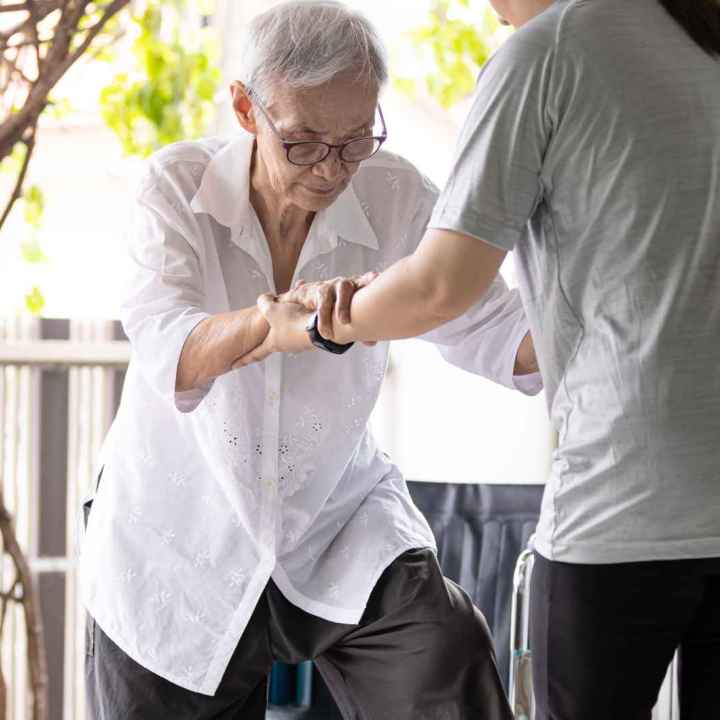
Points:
(701, 19)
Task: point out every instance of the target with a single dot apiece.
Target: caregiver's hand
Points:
(331, 298)
(287, 330)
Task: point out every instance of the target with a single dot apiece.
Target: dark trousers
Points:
(421, 650)
(602, 637)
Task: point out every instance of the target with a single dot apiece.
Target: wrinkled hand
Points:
(331, 299)
(287, 330)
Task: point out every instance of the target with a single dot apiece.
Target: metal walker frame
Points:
(520, 687)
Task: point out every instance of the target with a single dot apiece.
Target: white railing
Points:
(90, 356)
(17, 444)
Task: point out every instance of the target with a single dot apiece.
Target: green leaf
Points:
(406, 86)
(32, 252)
(60, 109)
(35, 301)
(455, 38)
(34, 206)
(166, 93)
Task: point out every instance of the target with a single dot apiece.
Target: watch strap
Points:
(323, 343)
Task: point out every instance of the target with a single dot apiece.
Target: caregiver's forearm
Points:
(440, 281)
(216, 344)
(398, 305)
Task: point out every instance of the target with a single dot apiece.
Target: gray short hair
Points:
(306, 43)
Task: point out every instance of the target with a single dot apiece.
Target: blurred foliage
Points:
(163, 92)
(454, 43)
(34, 206)
(31, 249)
(59, 109)
(166, 91)
(10, 165)
(35, 301)
(33, 210)
(32, 203)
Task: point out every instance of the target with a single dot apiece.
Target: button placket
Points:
(271, 440)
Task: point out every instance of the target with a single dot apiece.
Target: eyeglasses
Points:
(306, 152)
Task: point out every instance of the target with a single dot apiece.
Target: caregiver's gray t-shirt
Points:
(593, 151)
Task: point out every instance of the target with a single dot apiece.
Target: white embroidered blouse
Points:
(270, 471)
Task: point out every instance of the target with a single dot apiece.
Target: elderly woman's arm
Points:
(216, 344)
(447, 274)
(233, 340)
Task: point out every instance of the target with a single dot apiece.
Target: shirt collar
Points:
(224, 193)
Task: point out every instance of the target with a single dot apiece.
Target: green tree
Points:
(455, 41)
(163, 93)
(40, 40)
(166, 92)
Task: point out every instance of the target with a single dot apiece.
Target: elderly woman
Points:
(244, 514)
(593, 151)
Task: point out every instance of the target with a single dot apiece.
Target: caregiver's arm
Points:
(447, 274)
(494, 189)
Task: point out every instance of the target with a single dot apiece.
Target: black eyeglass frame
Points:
(290, 144)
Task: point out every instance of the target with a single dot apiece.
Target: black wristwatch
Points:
(320, 342)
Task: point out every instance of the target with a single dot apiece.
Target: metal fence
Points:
(60, 383)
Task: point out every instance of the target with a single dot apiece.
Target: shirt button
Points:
(273, 396)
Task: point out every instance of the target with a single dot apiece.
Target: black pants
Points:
(602, 637)
(421, 651)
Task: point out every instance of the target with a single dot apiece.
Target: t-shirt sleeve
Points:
(495, 183)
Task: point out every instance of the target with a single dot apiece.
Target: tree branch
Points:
(57, 62)
(3, 696)
(33, 618)
(93, 31)
(47, 7)
(6, 598)
(13, 7)
(34, 33)
(40, 41)
(17, 191)
(55, 66)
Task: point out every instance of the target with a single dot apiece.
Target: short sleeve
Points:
(164, 298)
(495, 183)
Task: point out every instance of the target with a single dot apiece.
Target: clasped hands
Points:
(288, 314)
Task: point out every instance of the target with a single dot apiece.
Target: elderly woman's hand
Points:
(331, 299)
(287, 332)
